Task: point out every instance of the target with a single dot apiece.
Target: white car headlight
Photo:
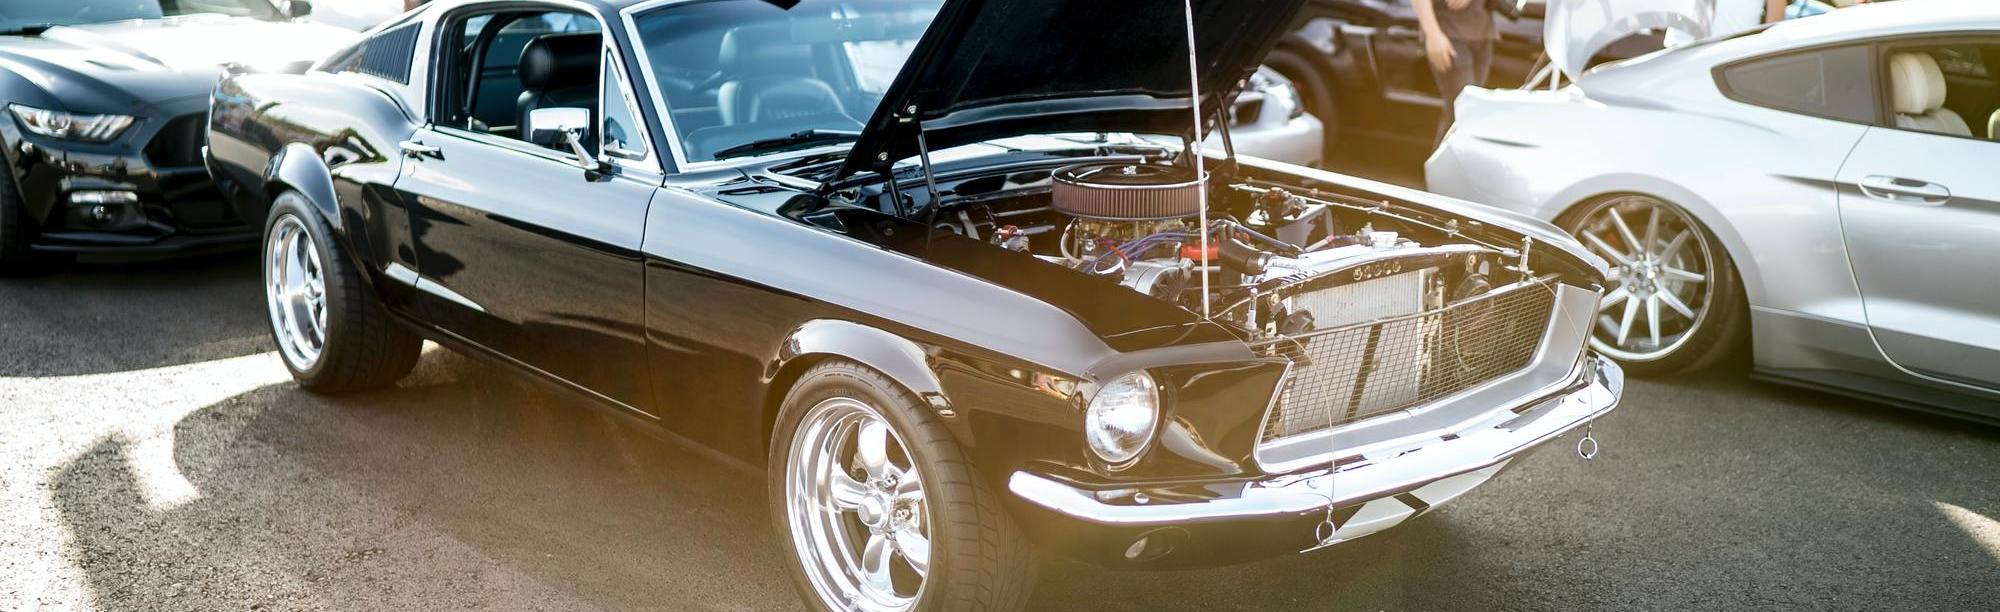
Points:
(70, 126)
(1119, 422)
(1278, 90)
(1285, 93)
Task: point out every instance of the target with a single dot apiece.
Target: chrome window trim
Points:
(672, 135)
(1562, 347)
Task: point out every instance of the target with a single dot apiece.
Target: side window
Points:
(1944, 89)
(1833, 83)
(386, 55)
(504, 65)
(622, 135)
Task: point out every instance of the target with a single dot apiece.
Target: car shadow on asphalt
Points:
(469, 487)
(103, 316)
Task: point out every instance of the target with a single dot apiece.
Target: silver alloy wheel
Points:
(855, 503)
(295, 289)
(1661, 263)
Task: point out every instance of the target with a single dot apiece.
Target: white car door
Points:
(1920, 213)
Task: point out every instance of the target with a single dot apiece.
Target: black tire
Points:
(16, 231)
(363, 348)
(1316, 92)
(979, 559)
(1724, 332)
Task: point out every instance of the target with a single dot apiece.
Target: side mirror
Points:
(298, 8)
(562, 127)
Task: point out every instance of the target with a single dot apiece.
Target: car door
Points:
(1920, 215)
(523, 251)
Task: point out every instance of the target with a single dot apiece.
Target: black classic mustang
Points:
(908, 255)
(105, 104)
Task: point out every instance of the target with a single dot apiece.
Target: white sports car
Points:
(1826, 186)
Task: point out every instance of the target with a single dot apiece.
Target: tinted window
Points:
(1831, 83)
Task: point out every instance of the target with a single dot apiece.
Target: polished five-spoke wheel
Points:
(295, 288)
(857, 504)
(1670, 281)
(878, 507)
(333, 334)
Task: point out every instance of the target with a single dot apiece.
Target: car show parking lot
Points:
(155, 456)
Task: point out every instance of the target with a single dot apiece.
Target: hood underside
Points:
(1575, 30)
(988, 69)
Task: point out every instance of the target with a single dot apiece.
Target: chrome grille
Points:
(1346, 374)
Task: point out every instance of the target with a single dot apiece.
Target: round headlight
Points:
(1120, 421)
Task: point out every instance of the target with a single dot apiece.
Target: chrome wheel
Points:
(855, 505)
(1661, 265)
(295, 288)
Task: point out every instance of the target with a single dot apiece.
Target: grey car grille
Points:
(1354, 372)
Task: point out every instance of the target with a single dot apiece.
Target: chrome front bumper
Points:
(1423, 473)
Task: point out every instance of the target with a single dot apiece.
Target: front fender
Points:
(894, 356)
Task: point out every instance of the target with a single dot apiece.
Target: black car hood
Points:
(987, 69)
(120, 66)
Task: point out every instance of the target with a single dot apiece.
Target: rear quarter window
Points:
(1834, 83)
(386, 55)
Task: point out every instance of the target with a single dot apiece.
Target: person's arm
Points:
(1774, 11)
(1436, 46)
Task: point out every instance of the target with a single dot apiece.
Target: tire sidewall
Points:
(842, 380)
(332, 272)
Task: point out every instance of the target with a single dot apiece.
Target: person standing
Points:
(1458, 39)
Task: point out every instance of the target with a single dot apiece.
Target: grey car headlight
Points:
(1119, 422)
(70, 126)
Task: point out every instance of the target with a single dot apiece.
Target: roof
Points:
(1883, 19)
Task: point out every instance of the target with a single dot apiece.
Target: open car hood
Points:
(988, 69)
(1575, 30)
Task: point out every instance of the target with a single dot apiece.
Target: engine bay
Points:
(1281, 260)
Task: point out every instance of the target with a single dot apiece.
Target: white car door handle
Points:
(1902, 190)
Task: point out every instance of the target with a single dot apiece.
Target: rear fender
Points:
(298, 167)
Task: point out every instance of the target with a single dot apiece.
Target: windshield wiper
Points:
(794, 140)
(26, 30)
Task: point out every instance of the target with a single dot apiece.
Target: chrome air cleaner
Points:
(1123, 191)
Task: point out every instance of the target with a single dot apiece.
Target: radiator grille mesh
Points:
(1347, 374)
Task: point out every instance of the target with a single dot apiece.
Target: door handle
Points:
(414, 150)
(1902, 190)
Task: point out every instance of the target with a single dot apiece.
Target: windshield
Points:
(17, 14)
(744, 77)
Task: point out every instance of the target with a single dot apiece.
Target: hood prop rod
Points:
(1194, 149)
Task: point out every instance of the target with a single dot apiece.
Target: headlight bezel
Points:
(71, 127)
(1112, 431)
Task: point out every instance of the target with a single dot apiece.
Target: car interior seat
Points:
(770, 78)
(559, 70)
(1918, 88)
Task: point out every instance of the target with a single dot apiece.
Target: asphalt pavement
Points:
(154, 456)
